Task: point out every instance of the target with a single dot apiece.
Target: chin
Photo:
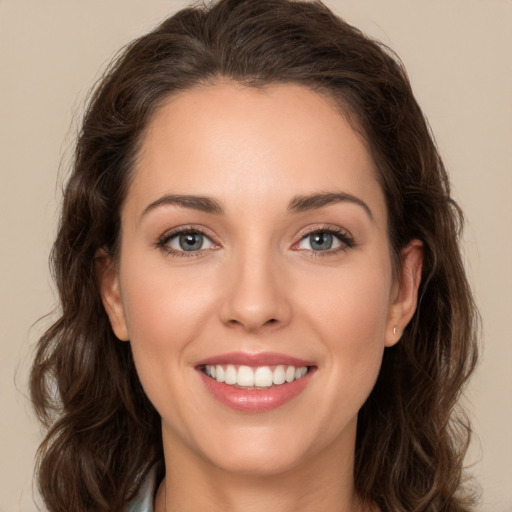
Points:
(259, 452)
(259, 464)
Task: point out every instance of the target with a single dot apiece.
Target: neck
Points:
(325, 483)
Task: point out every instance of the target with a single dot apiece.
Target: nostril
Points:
(270, 322)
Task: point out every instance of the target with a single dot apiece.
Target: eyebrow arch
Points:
(314, 201)
(204, 204)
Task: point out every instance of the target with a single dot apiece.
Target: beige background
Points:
(458, 56)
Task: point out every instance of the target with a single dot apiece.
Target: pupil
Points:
(321, 241)
(191, 241)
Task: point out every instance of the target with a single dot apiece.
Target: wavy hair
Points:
(103, 434)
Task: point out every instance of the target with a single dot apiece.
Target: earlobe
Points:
(405, 295)
(108, 283)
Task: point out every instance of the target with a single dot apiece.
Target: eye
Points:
(325, 240)
(186, 241)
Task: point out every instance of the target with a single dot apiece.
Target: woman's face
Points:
(254, 240)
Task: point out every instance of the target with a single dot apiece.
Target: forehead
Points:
(229, 140)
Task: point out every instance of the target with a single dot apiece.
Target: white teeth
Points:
(245, 377)
(230, 374)
(259, 377)
(279, 376)
(263, 377)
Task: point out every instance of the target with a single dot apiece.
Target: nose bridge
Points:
(256, 296)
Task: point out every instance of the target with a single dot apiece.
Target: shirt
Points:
(143, 502)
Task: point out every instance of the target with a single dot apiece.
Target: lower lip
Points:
(255, 400)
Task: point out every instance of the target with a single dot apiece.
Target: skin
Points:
(257, 286)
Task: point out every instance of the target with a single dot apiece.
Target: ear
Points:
(404, 296)
(108, 282)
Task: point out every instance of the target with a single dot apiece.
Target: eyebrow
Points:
(203, 204)
(315, 201)
(297, 204)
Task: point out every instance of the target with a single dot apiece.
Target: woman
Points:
(263, 300)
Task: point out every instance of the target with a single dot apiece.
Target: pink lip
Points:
(255, 400)
(261, 359)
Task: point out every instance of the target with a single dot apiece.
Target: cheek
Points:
(353, 305)
(350, 317)
(162, 305)
(165, 311)
(357, 335)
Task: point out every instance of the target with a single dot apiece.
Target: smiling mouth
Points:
(259, 377)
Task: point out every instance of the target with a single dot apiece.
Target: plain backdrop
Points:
(457, 53)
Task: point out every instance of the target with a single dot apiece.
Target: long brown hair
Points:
(103, 433)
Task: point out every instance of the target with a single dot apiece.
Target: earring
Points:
(395, 329)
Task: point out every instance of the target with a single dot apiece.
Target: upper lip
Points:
(261, 359)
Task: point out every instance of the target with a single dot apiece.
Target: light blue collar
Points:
(143, 502)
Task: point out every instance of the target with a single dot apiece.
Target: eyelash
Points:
(168, 236)
(347, 242)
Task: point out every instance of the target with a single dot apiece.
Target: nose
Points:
(256, 294)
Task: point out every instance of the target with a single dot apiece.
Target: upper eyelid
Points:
(337, 230)
(185, 229)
